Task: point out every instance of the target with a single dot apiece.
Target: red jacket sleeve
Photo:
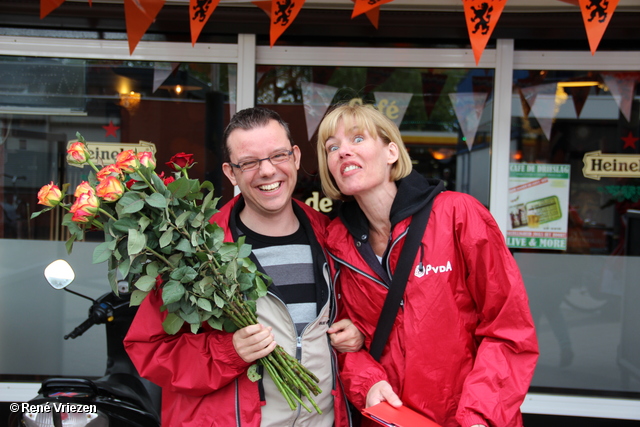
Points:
(359, 372)
(508, 349)
(192, 364)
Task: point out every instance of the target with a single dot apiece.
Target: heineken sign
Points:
(104, 153)
(598, 165)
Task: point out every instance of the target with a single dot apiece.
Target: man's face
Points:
(267, 189)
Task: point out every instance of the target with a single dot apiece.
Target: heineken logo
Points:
(104, 153)
(598, 165)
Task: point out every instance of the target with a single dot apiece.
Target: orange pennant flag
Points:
(139, 15)
(596, 15)
(482, 17)
(265, 5)
(48, 6)
(364, 6)
(283, 13)
(200, 11)
(372, 14)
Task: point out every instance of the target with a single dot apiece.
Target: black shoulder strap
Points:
(399, 281)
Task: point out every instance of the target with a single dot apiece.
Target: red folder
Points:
(386, 415)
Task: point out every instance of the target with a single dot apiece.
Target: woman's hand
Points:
(345, 337)
(253, 342)
(381, 392)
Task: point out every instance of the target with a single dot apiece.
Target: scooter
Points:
(120, 398)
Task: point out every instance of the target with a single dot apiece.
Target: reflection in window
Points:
(444, 115)
(178, 107)
(582, 298)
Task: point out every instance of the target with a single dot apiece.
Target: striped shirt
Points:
(289, 262)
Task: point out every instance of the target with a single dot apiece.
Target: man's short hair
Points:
(251, 118)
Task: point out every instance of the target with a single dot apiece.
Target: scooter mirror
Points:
(59, 274)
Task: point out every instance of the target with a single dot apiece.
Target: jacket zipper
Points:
(357, 270)
(237, 393)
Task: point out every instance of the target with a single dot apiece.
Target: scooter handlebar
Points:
(81, 329)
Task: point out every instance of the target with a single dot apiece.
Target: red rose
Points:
(166, 179)
(180, 161)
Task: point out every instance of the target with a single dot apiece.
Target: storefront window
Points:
(115, 105)
(444, 116)
(574, 199)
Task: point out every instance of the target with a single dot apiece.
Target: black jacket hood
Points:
(414, 191)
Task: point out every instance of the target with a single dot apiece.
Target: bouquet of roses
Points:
(158, 234)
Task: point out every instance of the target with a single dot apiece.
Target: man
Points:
(204, 376)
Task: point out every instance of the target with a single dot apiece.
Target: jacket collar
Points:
(414, 192)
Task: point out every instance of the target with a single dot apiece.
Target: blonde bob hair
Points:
(361, 116)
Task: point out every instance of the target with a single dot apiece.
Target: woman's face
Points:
(359, 163)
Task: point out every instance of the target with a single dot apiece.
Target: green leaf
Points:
(184, 274)
(145, 283)
(204, 304)
(232, 269)
(166, 238)
(175, 259)
(185, 246)
(195, 327)
(229, 326)
(193, 317)
(218, 238)
(253, 374)
(182, 218)
(102, 252)
(206, 200)
(156, 181)
(197, 221)
(219, 301)
(152, 268)
(69, 243)
(112, 277)
(136, 242)
(124, 267)
(124, 224)
(172, 291)
(245, 251)
(131, 202)
(180, 187)
(37, 214)
(157, 200)
(137, 296)
(206, 185)
(215, 323)
(228, 251)
(172, 324)
(261, 287)
(144, 223)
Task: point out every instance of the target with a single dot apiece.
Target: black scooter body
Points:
(121, 397)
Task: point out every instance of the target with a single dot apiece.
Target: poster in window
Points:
(538, 206)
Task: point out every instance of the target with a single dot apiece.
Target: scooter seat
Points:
(128, 388)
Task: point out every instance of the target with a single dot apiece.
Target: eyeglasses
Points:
(275, 159)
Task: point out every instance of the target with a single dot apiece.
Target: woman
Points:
(463, 349)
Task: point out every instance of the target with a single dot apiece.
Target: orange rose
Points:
(50, 195)
(110, 189)
(109, 170)
(78, 153)
(82, 188)
(85, 207)
(147, 160)
(127, 161)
